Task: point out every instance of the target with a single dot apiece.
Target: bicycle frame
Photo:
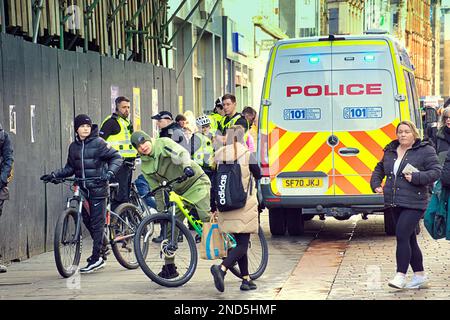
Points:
(146, 211)
(80, 199)
(179, 202)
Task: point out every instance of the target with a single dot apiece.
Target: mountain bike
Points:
(119, 230)
(183, 249)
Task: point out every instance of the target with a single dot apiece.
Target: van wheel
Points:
(389, 223)
(307, 217)
(277, 221)
(295, 224)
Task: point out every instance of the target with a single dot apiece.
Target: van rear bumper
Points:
(363, 203)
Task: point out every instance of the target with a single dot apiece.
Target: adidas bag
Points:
(230, 193)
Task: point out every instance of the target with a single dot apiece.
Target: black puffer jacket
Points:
(442, 143)
(91, 158)
(398, 192)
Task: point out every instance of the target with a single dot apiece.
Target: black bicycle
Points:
(120, 228)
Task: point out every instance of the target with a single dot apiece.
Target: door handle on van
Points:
(348, 151)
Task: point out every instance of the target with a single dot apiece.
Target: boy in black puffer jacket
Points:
(89, 157)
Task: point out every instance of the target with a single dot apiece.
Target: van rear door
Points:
(300, 120)
(363, 111)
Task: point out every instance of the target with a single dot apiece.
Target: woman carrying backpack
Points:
(235, 165)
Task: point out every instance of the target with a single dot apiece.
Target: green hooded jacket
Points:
(167, 161)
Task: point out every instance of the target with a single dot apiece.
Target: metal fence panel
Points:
(58, 84)
(30, 140)
(50, 141)
(13, 225)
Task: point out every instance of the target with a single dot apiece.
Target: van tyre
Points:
(277, 221)
(307, 217)
(389, 223)
(295, 223)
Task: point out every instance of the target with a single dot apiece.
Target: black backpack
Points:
(230, 193)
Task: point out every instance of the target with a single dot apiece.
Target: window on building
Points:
(334, 20)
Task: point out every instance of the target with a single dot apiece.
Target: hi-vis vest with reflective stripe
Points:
(122, 141)
(231, 123)
(205, 150)
(215, 119)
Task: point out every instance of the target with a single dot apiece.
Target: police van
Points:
(329, 106)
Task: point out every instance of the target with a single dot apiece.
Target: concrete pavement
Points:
(334, 260)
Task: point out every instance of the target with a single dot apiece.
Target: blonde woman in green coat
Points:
(163, 160)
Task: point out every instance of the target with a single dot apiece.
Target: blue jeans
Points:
(143, 188)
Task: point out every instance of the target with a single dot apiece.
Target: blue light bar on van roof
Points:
(369, 58)
(314, 59)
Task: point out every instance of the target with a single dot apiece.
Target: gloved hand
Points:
(107, 176)
(48, 177)
(189, 172)
(2, 184)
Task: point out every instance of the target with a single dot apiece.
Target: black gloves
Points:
(48, 177)
(2, 184)
(107, 176)
(189, 172)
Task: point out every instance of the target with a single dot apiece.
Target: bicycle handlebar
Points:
(167, 185)
(74, 179)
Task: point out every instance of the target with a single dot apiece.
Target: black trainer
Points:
(169, 271)
(93, 265)
(248, 285)
(219, 277)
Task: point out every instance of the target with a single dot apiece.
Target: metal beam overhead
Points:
(88, 16)
(111, 18)
(198, 38)
(37, 10)
(184, 22)
(130, 23)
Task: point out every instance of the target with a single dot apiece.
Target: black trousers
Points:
(94, 219)
(123, 177)
(239, 253)
(408, 251)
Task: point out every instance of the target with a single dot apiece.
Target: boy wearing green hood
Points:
(163, 160)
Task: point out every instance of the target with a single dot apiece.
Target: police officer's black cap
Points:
(163, 115)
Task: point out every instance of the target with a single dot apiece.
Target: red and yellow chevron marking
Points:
(309, 151)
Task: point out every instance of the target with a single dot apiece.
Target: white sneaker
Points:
(398, 282)
(93, 265)
(417, 282)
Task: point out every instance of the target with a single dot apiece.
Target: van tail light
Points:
(264, 155)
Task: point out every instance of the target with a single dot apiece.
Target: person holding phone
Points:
(405, 193)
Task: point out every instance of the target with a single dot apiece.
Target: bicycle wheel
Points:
(258, 256)
(67, 247)
(123, 231)
(183, 253)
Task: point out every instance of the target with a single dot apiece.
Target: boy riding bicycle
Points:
(163, 160)
(89, 157)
